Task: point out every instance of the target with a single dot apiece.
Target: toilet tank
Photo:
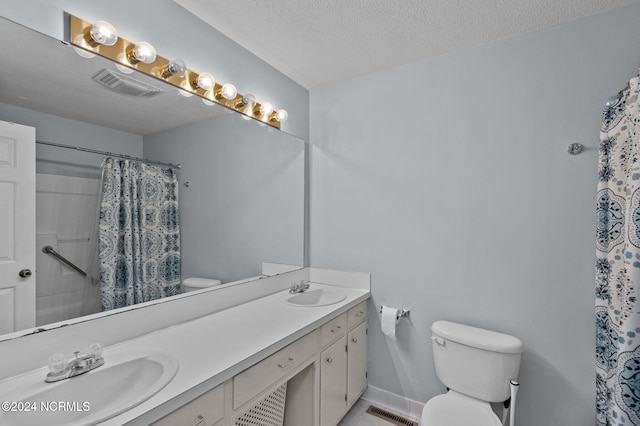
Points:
(475, 362)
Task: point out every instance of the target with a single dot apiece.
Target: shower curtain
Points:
(139, 231)
(618, 262)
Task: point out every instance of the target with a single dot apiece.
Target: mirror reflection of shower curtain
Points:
(139, 233)
(618, 262)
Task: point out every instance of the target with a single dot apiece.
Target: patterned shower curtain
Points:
(618, 262)
(139, 233)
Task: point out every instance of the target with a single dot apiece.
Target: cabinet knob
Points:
(354, 340)
(199, 421)
(329, 360)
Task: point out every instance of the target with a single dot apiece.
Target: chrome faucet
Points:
(300, 287)
(64, 366)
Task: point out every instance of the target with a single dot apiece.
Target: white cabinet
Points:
(273, 369)
(357, 363)
(206, 410)
(343, 367)
(326, 371)
(333, 373)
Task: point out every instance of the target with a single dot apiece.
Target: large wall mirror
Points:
(241, 182)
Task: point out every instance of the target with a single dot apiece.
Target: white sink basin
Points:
(316, 297)
(124, 381)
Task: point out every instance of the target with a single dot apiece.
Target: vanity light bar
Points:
(120, 51)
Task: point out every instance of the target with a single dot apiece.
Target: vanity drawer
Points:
(267, 372)
(333, 330)
(206, 410)
(357, 314)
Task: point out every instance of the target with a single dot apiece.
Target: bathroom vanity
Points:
(323, 372)
(262, 353)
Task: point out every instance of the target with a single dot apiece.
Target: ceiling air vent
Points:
(126, 85)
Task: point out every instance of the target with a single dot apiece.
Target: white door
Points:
(17, 227)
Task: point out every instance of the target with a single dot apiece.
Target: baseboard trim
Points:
(393, 402)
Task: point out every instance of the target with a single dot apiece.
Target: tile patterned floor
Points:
(358, 416)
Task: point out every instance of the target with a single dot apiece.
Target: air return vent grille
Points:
(126, 85)
(268, 412)
(390, 417)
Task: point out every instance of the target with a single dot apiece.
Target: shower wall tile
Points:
(66, 212)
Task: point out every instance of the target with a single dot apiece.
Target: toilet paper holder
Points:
(402, 313)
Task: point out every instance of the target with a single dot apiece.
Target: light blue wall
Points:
(449, 181)
(244, 204)
(64, 131)
(176, 33)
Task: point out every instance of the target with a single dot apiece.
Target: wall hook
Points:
(575, 148)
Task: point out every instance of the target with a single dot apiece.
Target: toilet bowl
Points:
(456, 409)
(195, 283)
(476, 365)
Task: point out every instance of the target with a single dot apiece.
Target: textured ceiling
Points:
(318, 42)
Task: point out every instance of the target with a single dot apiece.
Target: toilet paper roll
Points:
(388, 320)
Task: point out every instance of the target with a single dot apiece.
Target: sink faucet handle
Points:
(94, 350)
(58, 362)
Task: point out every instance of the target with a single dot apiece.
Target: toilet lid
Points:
(454, 409)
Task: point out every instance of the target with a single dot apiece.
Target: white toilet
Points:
(195, 283)
(476, 365)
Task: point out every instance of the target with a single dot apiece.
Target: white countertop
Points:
(216, 347)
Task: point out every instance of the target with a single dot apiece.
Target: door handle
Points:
(25, 273)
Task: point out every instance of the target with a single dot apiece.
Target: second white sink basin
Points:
(125, 381)
(316, 297)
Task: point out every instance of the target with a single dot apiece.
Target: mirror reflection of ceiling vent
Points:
(126, 85)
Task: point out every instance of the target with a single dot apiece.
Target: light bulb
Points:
(229, 91)
(207, 102)
(177, 67)
(103, 33)
(144, 52)
(282, 115)
(185, 93)
(249, 100)
(266, 108)
(205, 81)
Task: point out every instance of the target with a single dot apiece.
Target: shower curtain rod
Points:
(94, 151)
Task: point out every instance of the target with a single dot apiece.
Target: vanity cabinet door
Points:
(333, 383)
(357, 363)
